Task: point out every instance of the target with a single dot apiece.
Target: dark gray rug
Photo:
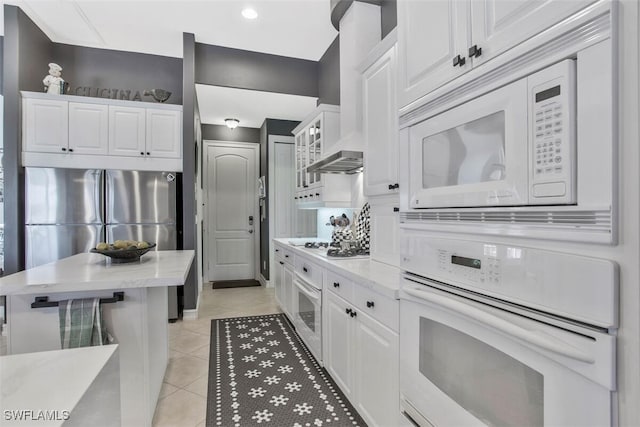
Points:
(260, 373)
(223, 284)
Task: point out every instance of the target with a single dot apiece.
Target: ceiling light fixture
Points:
(232, 123)
(249, 13)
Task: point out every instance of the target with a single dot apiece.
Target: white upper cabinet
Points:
(45, 125)
(440, 40)
(380, 125)
(164, 133)
(431, 34)
(127, 131)
(498, 25)
(68, 131)
(88, 128)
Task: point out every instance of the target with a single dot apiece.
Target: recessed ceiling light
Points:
(249, 13)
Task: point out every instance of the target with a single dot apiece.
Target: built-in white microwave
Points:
(513, 146)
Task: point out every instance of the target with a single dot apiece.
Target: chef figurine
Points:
(53, 83)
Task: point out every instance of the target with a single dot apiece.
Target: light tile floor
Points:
(183, 398)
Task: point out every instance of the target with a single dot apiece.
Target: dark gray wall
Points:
(223, 133)
(222, 66)
(329, 75)
(1, 63)
(111, 69)
(388, 16)
(269, 127)
(26, 53)
(190, 290)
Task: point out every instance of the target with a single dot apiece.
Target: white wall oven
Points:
(502, 335)
(307, 316)
(527, 149)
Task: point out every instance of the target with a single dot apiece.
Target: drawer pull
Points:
(281, 263)
(347, 310)
(277, 250)
(353, 313)
(370, 304)
(305, 269)
(286, 256)
(336, 284)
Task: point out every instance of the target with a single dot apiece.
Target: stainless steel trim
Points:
(413, 415)
(343, 162)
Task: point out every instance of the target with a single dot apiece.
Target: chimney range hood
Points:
(344, 162)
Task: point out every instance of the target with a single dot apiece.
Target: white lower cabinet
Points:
(338, 353)
(283, 280)
(361, 355)
(289, 301)
(376, 372)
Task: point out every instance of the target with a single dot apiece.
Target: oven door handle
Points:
(535, 338)
(301, 286)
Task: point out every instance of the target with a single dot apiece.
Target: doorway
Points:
(231, 224)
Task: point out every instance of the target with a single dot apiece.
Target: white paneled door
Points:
(231, 175)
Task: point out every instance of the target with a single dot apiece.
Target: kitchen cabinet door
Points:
(430, 35)
(380, 126)
(376, 372)
(278, 283)
(164, 133)
(88, 128)
(45, 127)
(385, 225)
(127, 131)
(498, 25)
(289, 300)
(337, 355)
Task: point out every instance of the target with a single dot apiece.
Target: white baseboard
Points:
(193, 313)
(264, 282)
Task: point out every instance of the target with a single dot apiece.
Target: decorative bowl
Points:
(120, 256)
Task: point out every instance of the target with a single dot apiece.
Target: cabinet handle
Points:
(475, 51)
(296, 197)
(71, 150)
(396, 185)
(347, 310)
(391, 187)
(336, 284)
(286, 256)
(396, 209)
(459, 61)
(277, 250)
(142, 153)
(64, 149)
(318, 194)
(370, 304)
(305, 269)
(305, 186)
(281, 263)
(148, 153)
(353, 313)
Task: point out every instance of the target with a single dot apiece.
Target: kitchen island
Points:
(138, 323)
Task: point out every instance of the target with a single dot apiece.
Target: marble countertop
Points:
(380, 277)
(28, 381)
(88, 271)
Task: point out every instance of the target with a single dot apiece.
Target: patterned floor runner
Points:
(260, 373)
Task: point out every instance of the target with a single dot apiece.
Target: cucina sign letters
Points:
(98, 92)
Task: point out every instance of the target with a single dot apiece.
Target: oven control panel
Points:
(476, 270)
(566, 284)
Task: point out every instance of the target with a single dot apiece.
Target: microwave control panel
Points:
(476, 270)
(552, 103)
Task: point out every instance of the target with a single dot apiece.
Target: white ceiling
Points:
(293, 28)
(250, 107)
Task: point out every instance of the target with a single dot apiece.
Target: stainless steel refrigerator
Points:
(68, 211)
